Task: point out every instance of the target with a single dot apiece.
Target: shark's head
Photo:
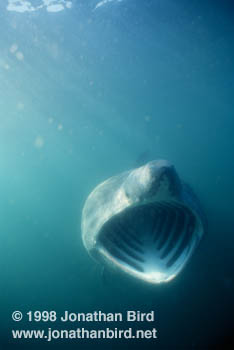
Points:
(146, 229)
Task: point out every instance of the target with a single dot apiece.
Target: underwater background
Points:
(88, 90)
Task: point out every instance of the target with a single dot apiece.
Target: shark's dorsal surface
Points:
(145, 222)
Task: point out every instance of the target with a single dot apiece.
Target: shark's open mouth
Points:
(153, 241)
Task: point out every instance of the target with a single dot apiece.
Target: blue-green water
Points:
(86, 92)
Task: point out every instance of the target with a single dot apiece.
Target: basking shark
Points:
(145, 222)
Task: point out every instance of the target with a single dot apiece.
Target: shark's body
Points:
(146, 222)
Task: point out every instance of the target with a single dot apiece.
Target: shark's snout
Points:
(156, 180)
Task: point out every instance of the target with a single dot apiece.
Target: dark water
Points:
(85, 94)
